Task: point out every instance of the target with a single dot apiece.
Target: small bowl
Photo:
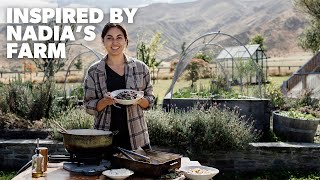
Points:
(118, 174)
(199, 172)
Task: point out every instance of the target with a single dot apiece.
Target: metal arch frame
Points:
(93, 51)
(71, 63)
(69, 67)
(219, 45)
(79, 44)
(90, 50)
(170, 90)
(211, 44)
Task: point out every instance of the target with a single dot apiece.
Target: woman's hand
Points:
(107, 100)
(143, 102)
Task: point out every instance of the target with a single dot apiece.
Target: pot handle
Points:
(172, 164)
(60, 128)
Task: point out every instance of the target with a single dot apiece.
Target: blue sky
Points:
(103, 4)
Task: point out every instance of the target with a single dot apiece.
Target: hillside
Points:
(275, 20)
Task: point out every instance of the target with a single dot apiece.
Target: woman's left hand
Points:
(143, 102)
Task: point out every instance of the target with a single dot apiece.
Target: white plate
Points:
(118, 173)
(199, 172)
(126, 102)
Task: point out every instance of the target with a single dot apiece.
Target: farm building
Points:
(305, 79)
(232, 58)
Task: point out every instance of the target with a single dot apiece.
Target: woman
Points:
(118, 71)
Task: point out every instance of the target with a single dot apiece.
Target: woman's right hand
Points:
(107, 100)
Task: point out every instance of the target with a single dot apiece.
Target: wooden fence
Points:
(271, 70)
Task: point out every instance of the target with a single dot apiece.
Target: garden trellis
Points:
(215, 43)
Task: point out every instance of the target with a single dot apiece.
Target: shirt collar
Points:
(102, 64)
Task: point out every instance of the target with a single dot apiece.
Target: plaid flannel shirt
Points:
(137, 77)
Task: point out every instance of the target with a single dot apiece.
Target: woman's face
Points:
(114, 41)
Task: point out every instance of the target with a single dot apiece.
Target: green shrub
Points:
(18, 97)
(276, 97)
(27, 100)
(7, 175)
(305, 99)
(4, 107)
(314, 111)
(200, 130)
(73, 118)
(78, 92)
(214, 90)
(167, 129)
(42, 98)
(297, 115)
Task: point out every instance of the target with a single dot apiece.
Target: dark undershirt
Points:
(118, 116)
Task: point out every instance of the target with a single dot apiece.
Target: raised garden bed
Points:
(294, 129)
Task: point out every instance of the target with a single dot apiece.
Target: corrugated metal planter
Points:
(293, 129)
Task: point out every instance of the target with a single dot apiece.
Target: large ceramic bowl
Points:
(199, 172)
(126, 96)
(118, 174)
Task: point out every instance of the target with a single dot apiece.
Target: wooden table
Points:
(55, 171)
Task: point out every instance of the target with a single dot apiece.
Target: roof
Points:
(237, 52)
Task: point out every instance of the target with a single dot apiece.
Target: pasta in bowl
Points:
(126, 96)
(118, 174)
(199, 172)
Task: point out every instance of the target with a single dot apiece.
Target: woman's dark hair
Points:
(111, 25)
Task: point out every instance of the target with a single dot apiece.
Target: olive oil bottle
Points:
(37, 163)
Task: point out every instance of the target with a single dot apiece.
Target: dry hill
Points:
(277, 21)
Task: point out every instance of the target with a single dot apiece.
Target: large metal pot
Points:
(80, 141)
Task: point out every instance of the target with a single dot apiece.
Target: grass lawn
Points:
(277, 80)
(161, 86)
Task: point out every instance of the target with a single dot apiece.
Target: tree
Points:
(310, 39)
(78, 63)
(50, 66)
(202, 55)
(194, 72)
(258, 39)
(183, 48)
(245, 69)
(311, 7)
(147, 52)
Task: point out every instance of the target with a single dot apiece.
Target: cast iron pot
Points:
(79, 141)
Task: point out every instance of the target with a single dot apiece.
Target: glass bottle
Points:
(37, 163)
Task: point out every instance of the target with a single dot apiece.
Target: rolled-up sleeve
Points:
(90, 96)
(148, 91)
